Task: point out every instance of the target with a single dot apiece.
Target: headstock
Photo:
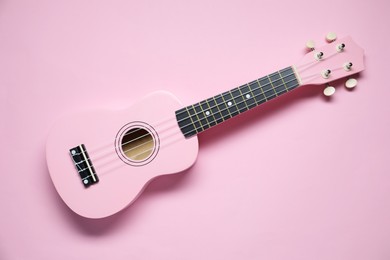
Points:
(338, 59)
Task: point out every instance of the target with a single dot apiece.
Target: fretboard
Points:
(200, 116)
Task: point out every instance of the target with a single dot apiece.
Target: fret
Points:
(277, 83)
(284, 83)
(290, 78)
(208, 113)
(239, 100)
(267, 88)
(185, 122)
(212, 111)
(249, 96)
(215, 110)
(201, 116)
(233, 109)
(272, 85)
(194, 119)
(222, 106)
(257, 90)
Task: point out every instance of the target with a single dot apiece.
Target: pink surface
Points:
(300, 178)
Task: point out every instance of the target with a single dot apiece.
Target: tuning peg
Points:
(318, 56)
(348, 66)
(340, 47)
(325, 73)
(310, 45)
(331, 36)
(329, 91)
(351, 83)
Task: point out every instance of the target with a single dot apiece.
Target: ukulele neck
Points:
(207, 113)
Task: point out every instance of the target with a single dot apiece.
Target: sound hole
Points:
(137, 144)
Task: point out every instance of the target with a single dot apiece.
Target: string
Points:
(99, 156)
(196, 129)
(309, 64)
(211, 107)
(158, 146)
(215, 121)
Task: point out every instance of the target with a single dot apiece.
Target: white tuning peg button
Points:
(310, 45)
(330, 37)
(351, 83)
(329, 91)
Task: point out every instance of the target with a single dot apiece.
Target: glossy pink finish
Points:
(309, 68)
(120, 183)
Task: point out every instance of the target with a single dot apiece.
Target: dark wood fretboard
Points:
(200, 116)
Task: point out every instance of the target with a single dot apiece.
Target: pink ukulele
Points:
(100, 161)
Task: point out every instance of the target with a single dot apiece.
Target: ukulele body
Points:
(126, 148)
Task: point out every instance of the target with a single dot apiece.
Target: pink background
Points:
(299, 178)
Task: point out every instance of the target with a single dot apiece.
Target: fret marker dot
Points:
(85, 181)
(248, 96)
(230, 103)
(73, 152)
(207, 113)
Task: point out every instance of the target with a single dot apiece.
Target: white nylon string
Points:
(167, 137)
(109, 151)
(167, 119)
